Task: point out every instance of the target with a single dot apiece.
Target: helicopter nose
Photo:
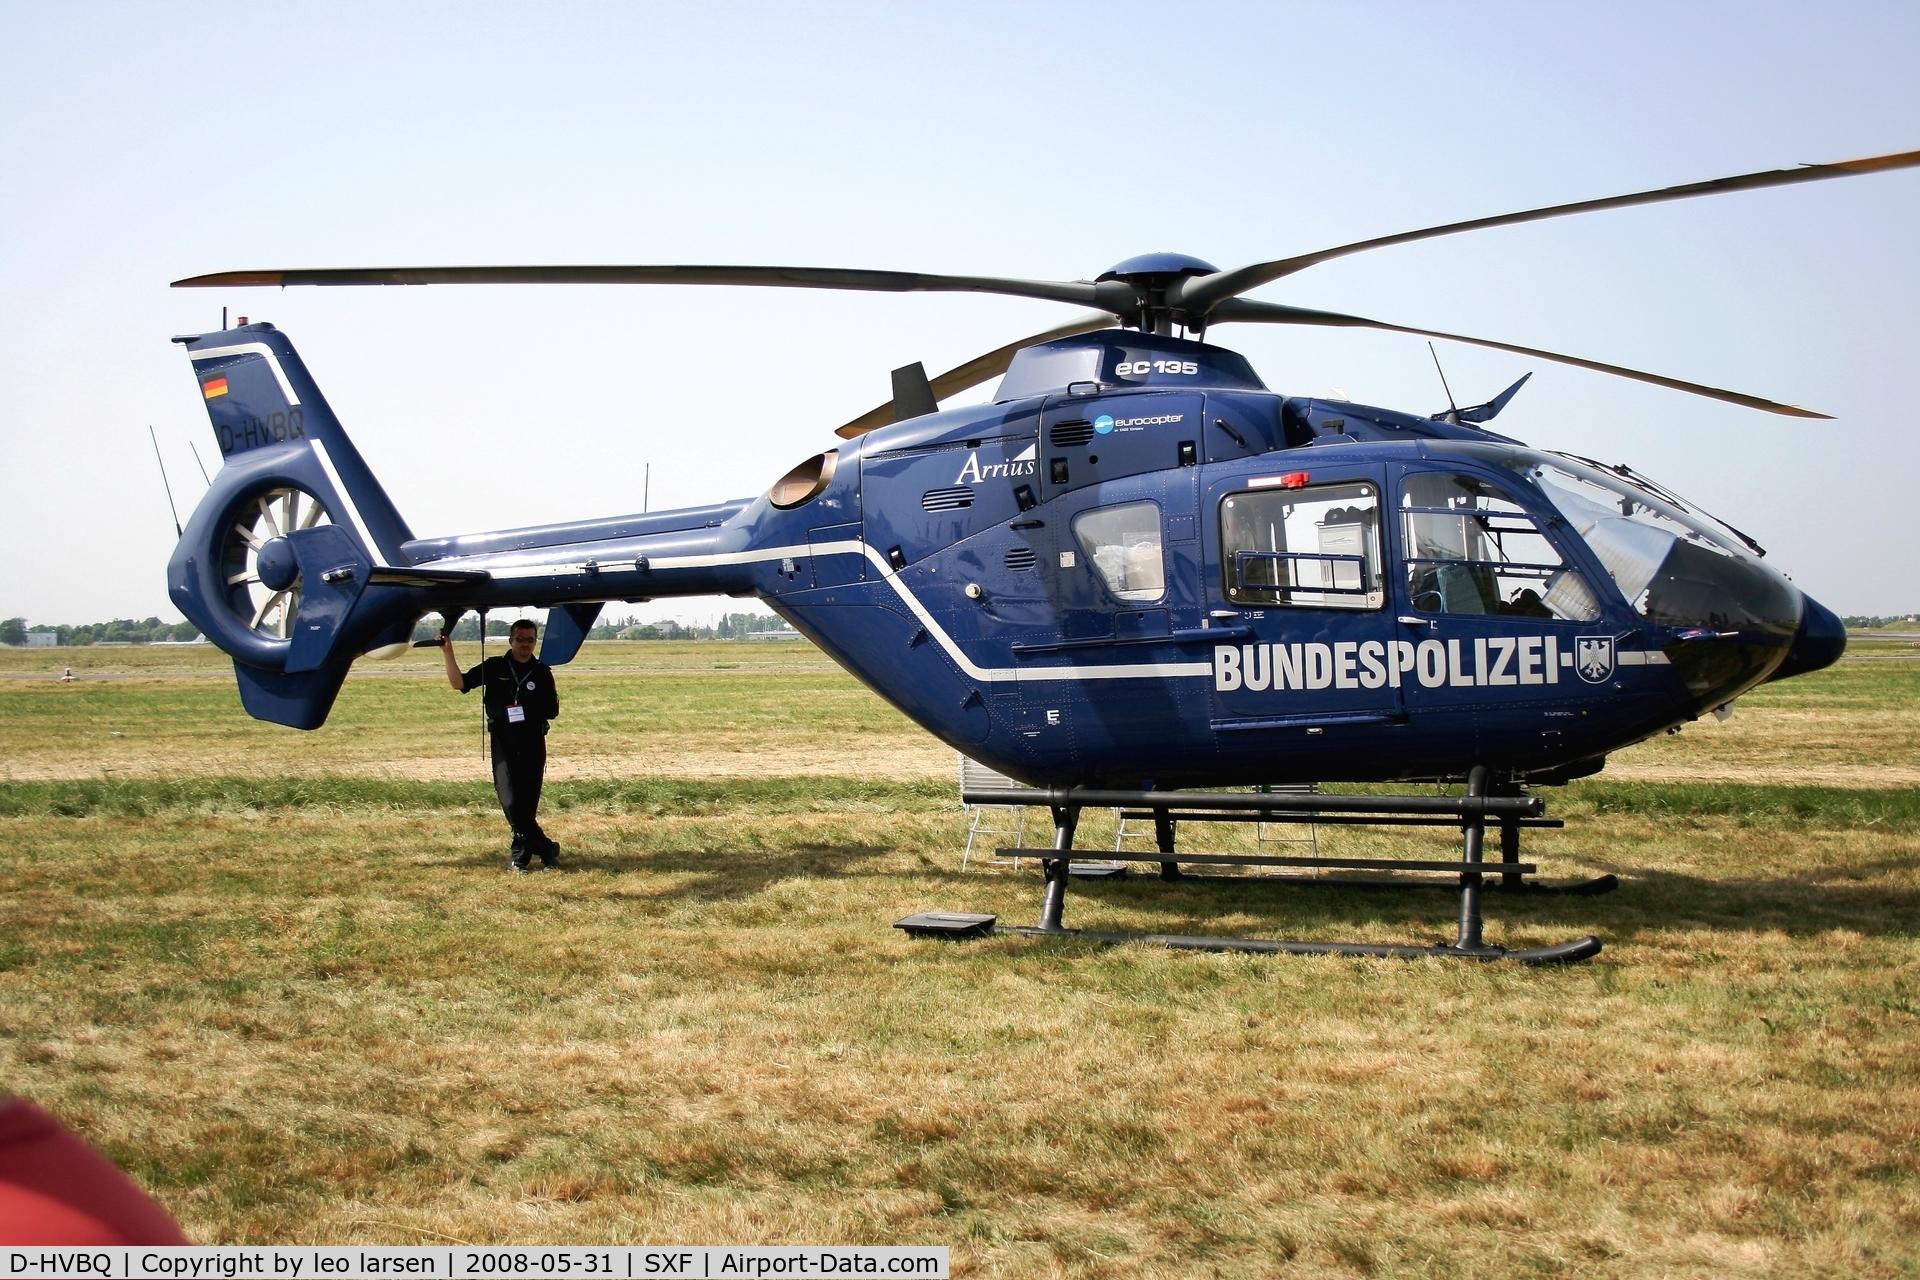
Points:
(1733, 620)
(1819, 642)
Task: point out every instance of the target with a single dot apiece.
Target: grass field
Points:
(282, 980)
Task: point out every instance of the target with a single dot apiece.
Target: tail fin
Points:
(259, 395)
(275, 561)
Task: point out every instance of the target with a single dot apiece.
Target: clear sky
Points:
(140, 144)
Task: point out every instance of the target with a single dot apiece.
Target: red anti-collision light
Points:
(1291, 480)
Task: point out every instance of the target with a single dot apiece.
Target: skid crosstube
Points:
(1471, 811)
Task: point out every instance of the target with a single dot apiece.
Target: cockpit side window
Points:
(1316, 547)
(1471, 549)
(1123, 545)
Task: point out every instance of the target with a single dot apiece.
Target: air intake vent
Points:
(947, 499)
(1067, 435)
(1020, 559)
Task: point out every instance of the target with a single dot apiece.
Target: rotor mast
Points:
(1156, 279)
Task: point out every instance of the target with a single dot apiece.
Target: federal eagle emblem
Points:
(1593, 658)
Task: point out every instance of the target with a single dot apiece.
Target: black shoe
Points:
(517, 867)
(550, 860)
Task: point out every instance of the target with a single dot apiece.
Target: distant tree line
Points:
(119, 631)
(1866, 623)
(732, 626)
(468, 628)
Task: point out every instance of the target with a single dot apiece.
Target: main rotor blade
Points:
(1120, 299)
(1198, 293)
(973, 373)
(1246, 311)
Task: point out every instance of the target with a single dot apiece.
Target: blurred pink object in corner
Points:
(55, 1189)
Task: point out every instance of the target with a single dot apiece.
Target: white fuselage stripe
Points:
(257, 349)
(853, 547)
(987, 675)
(346, 500)
(679, 562)
(1123, 671)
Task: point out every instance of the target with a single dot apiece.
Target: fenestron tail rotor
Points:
(258, 566)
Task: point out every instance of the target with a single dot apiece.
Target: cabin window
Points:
(1316, 547)
(1471, 549)
(1123, 545)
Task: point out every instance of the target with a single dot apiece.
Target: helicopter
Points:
(1137, 570)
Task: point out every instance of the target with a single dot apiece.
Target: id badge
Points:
(516, 714)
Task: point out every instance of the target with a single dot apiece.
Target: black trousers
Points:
(519, 764)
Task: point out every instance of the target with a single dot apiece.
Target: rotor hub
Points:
(1157, 269)
(1151, 274)
(277, 566)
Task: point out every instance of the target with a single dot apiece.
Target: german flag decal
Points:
(214, 386)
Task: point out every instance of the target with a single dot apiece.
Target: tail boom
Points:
(295, 562)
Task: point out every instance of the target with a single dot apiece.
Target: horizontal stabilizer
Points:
(395, 576)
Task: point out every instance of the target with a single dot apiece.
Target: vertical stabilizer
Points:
(259, 396)
(276, 561)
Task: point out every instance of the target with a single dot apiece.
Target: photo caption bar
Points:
(468, 1262)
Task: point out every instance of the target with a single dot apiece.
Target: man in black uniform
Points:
(520, 699)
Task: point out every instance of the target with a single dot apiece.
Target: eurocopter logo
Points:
(974, 473)
(1105, 424)
(1593, 658)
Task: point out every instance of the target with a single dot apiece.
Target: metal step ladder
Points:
(1137, 827)
(1288, 833)
(973, 774)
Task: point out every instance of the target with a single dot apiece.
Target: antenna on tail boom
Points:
(163, 481)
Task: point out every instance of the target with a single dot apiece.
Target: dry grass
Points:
(313, 1025)
(719, 709)
(707, 709)
(1856, 724)
(312, 1008)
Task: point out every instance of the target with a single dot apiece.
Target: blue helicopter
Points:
(1138, 570)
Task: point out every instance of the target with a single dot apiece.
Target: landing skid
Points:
(1472, 811)
(1591, 888)
(1564, 953)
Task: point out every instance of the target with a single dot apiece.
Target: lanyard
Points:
(518, 679)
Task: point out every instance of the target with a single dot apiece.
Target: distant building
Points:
(42, 639)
